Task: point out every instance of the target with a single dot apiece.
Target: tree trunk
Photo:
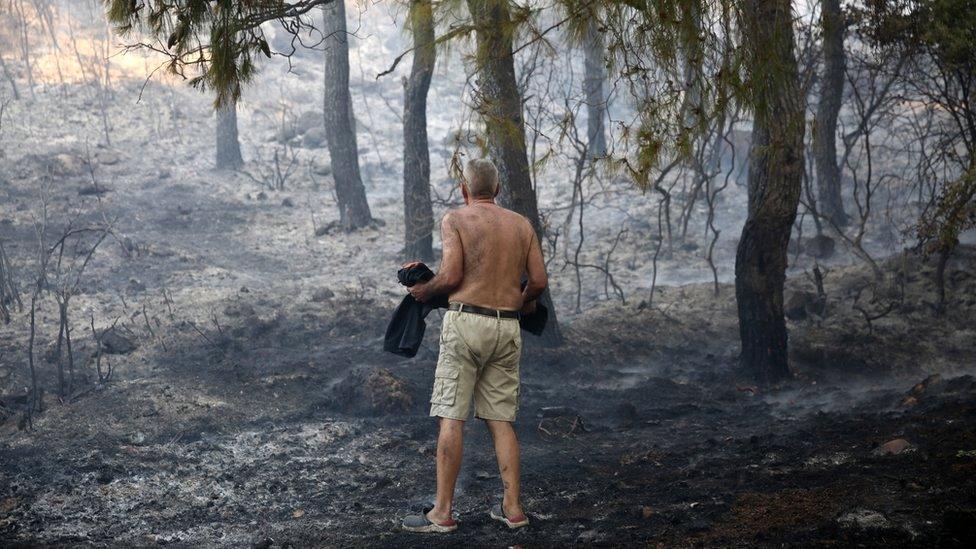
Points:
(228, 147)
(595, 74)
(829, 201)
(499, 104)
(340, 131)
(775, 171)
(418, 212)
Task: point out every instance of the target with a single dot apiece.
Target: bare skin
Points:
(486, 250)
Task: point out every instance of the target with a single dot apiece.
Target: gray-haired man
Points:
(486, 251)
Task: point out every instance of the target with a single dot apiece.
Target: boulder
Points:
(114, 343)
(313, 138)
(108, 157)
(322, 294)
(819, 246)
(798, 304)
(894, 448)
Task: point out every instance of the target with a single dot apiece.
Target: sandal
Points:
(420, 523)
(515, 522)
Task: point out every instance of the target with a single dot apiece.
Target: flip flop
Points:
(420, 523)
(514, 522)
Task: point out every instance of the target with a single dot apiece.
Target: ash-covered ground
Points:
(287, 426)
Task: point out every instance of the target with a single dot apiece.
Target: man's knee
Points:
(451, 426)
(498, 426)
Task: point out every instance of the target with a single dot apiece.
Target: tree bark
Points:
(340, 130)
(417, 209)
(498, 102)
(228, 146)
(830, 204)
(775, 172)
(594, 76)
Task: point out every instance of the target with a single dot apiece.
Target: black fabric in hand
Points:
(406, 330)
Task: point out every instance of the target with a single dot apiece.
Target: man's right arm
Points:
(535, 267)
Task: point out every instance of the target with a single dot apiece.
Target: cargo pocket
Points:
(445, 384)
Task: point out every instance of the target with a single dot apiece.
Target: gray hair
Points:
(481, 178)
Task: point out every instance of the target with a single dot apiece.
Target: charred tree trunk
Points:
(829, 200)
(418, 212)
(775, 172)
(499, 104)
(228, 146)
(340, 131)
(595, 74)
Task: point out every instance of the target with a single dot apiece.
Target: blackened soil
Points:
(266, 433)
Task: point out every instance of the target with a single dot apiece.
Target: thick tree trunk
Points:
(500, 106)
(775, 171)
(595, 74)
(340, 130)
(830, 204)
(228, 146)
(417, 209)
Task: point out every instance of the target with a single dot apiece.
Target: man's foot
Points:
(422, 523)
(514, 521)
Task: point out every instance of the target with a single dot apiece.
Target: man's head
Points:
(480, 178)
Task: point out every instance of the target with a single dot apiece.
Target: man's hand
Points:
(419, 291)
(528, 307)
(411, 264)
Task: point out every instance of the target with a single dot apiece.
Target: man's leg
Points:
(450, 447)
(507, 452)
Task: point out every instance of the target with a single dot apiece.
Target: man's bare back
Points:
(486, 250)
(495, 245)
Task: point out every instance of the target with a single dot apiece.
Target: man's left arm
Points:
(452, 265)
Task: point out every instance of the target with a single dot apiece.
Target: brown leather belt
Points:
(465, 308)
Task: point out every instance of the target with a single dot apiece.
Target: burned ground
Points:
(274, 426)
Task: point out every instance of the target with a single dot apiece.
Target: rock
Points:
(136, 285)
(894, 447)
(689, 246)
(314, 138)
(239, 309)
(864, 519)
(819, 247)
(107, 158)
(321, 169)
(798, 304)
(114, 343)
(322, 294)
(184, 210)
(288, 203)
(483, 475)
(63, 164)
(647, 511)
(262, 196)
(93, 190)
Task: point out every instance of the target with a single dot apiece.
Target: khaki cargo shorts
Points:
(479, 360)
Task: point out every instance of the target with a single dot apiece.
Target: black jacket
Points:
(406, 330)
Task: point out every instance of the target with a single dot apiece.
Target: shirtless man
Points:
(486, 251)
